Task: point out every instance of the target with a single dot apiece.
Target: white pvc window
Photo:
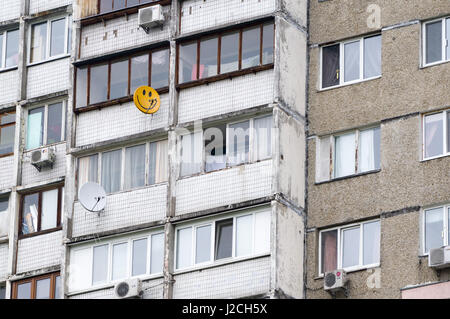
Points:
(350, 62)
(436, 227)
(242, 235)
(49, 39)
(436, 36)
(436, 134)
(9, 49)
(350, 247)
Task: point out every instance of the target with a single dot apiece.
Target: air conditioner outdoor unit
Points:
(439, 257)
(150, 16)
(42, 158)
(335, 280)
(128, 289)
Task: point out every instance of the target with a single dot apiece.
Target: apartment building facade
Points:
(188, 219)
(378, 132)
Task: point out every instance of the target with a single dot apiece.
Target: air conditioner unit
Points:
(150, 16)
(42, 158)
(439, 257)
(335, 280)
(128, 289)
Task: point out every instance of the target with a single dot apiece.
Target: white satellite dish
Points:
(92, 197)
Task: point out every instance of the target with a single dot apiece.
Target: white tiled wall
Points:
(152, 289)
(118, 34)
(226, 96)
(49, 77)
(118, 121)
(247, 278)
(39, 252)
(31, 175)
(200, 14)
(9, 84)
(9, 9)
(122, 210)
(224, 187)
(3, 260)
(44, 5)
(6, 171)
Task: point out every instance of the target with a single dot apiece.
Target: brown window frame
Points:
(33, 281)
(220, 76)
(7, 125)
(129, 96)
(39, 217)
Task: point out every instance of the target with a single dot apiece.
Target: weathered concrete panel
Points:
(3, 261)
(9, 88)
(45, 5)
(9, 10)
(6, 172)
(49, 77)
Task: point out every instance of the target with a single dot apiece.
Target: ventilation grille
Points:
(436, 256)
(123, 289)
(330, 279)
(36, 156)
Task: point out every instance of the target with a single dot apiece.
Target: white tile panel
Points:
(31, 175)
(6, 172)
(44, 5)
(122, 210)
(200, 14)
(9, 86)
(225, 187)
(39, 252)
(119, 34)
(49, 77)
(242, 279)
(226, 96)
(118, 121)
(9, 9)
(3, 261)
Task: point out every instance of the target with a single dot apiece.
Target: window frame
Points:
(253, 154)
(109, 61)
(6, 113)
(33, 281)
(339, 245)
(59, 216)
(444, 59)
(48, 57)
(45, 128)
(218, 35)
(445, 230)
(122, 169)
(211, 221)
(342, 44)
(446, 128)
(3, 67)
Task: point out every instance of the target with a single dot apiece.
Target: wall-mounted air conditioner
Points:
(150, 16)
(128, 289)
(439, 257)
(335, 280)
(44, 157)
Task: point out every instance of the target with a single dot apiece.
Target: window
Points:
(436, 134)
(350, 247)
(106, 6)
(42, 287)
(436, 47)
(135, 171)
(50, 39)
(9, 49)
(46, 125)
(351, 61)
(436, 227)
(116, 79)
(117, 259)
(2, 292)
(41, 211)
(227, 52)
(226, 145)
(4, 203)
(7, 133)
(244, 234)
(348, 154)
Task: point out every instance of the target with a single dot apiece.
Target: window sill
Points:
(434, 157)
(347, 177)
(12, 68)
(348, 84)
(6, 155)
(433, 64)
(352, 270)
(44, 232)
(59, 57)
(225, 76)
(122, 100)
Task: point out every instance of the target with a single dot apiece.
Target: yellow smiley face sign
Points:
(147, 99)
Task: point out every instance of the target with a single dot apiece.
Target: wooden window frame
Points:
(221, 76)
(124, 99)
(7, 125)
(33, 281)
(39, 217)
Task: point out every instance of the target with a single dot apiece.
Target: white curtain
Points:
(244, 235)
(263, 137)
(345, 155)
(111, 169)
(134, 166)
(366, 151)
(158, 162)
(434, 135)
(49, 209)
(372, 56)
(351, 61)
(191, 153)
(157, 254)
(371, 242)
(238, 141)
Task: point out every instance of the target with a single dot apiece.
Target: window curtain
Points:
(244, 235)
(38, 42)
(35, 130)
(263, 137)
(49, 212)
(12, 48)
(158, 162)
(350, 247)
(372, 56)
(238, 138)
(433, 135)
(345, 155)
(134, 166)
(329, 251)
(111, 168)
(351, 64)
(366, 151)
(371, 242)
(434, 224)
(87, 169)
(191, 153)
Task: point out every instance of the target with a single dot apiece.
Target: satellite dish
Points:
(92, 197)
